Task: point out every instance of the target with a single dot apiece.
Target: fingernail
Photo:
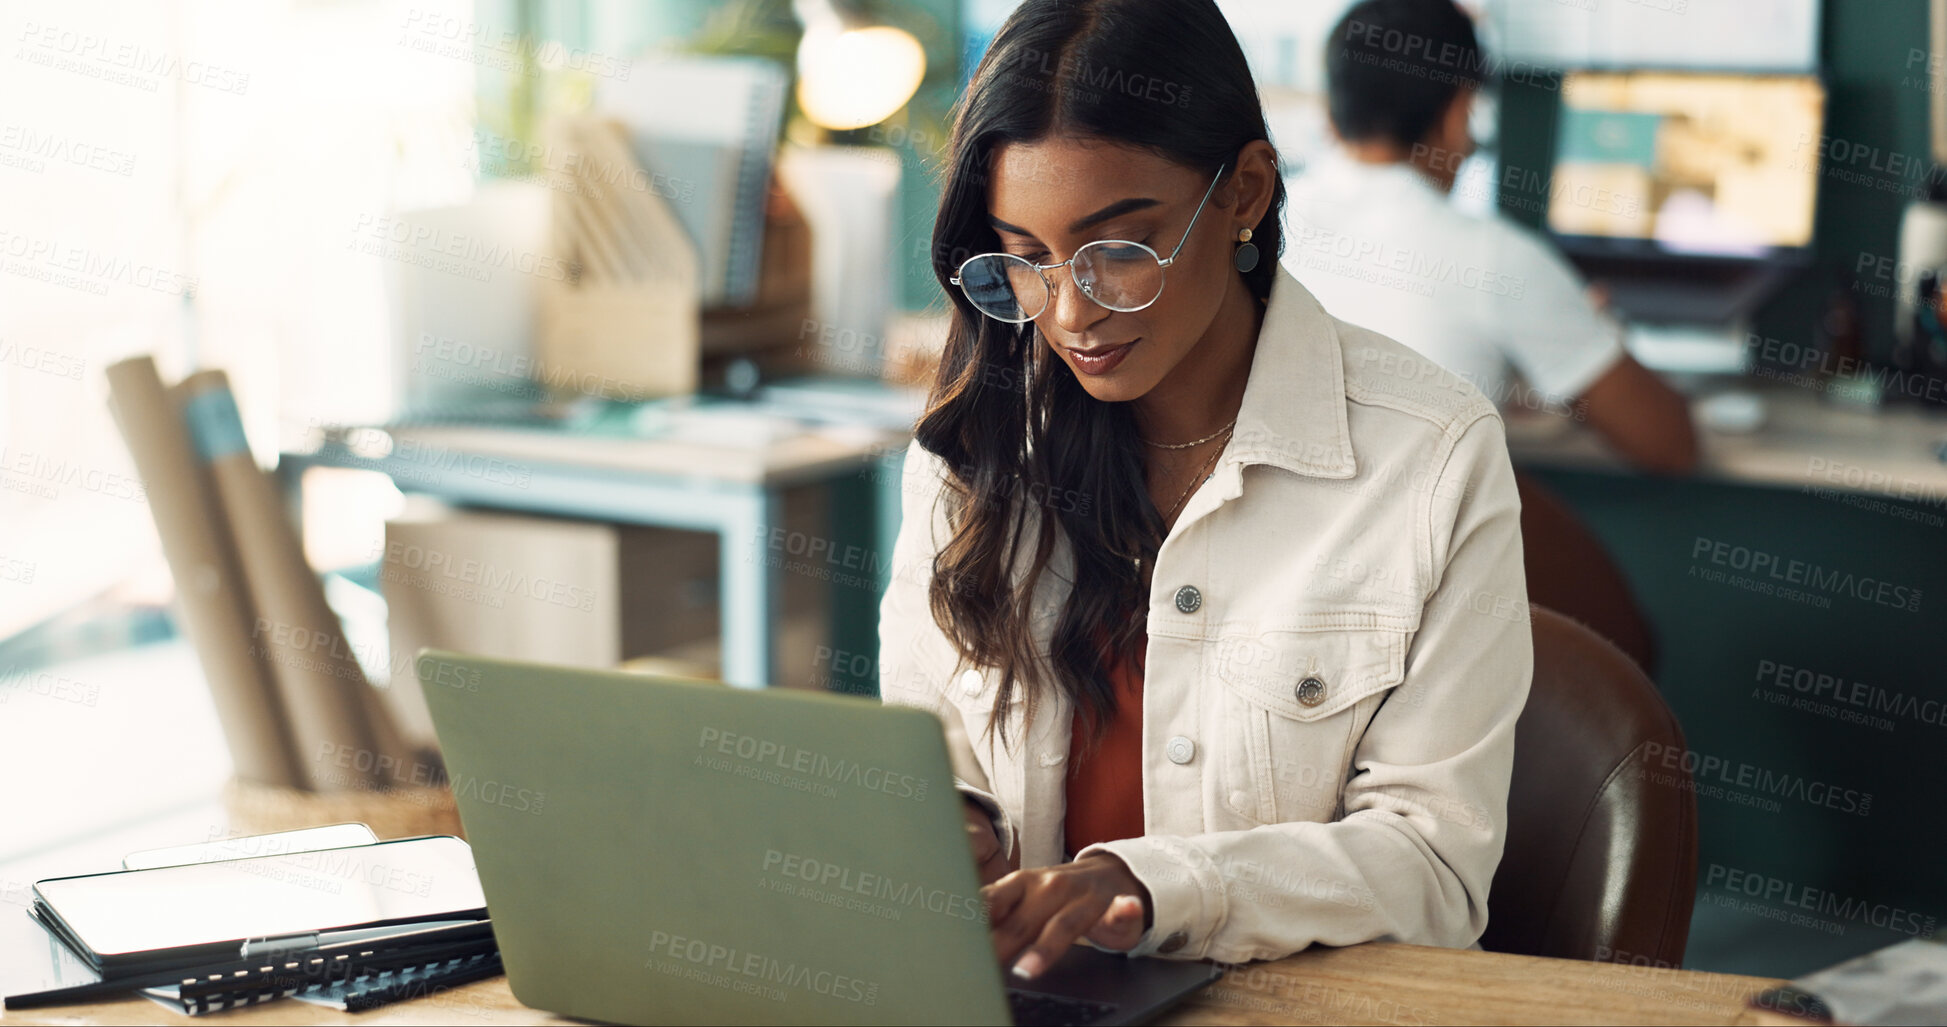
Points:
(1029, 967)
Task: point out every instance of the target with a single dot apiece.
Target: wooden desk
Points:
(1365, 984)
(1805, 444)
(1410, 984)
(734, 490)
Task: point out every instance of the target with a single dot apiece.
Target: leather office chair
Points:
(1570, 570)
(1601, 859)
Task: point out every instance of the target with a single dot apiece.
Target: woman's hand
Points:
(994, 864)
(1035, 915)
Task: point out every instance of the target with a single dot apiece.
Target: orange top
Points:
(1105, 784)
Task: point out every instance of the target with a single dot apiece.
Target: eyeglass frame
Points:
(1163, 263)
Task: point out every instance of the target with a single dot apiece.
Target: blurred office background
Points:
(403, 229)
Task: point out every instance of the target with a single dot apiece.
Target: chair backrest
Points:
(1601, 858)
(1569, 570)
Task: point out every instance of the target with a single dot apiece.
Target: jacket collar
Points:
(1293, 414)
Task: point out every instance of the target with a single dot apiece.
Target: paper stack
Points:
(625, 323)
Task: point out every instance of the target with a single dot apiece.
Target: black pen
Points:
(277, 945)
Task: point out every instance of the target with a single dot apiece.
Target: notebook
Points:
(349, 977)
(706, 130)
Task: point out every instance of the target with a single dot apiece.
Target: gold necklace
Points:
(1209, 468)
(1191, 445)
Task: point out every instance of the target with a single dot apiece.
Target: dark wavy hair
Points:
(1393, 67)
(1023, 443)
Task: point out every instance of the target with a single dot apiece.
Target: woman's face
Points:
(1049, 198)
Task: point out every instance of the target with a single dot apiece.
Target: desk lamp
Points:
(853, 72)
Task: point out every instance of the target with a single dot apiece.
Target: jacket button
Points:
(971, 682)
(1311, 692)
(1180, 750)
(1188, 599)
(1174, 942)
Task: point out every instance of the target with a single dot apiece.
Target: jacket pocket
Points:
(1290, 704)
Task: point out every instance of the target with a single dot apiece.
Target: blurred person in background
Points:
(1375, 238)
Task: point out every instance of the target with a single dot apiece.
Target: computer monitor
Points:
(1699, 35)
(1658, 164)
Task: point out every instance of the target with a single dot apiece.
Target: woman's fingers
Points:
(1062, 930)
(986, 844)
(1003, 896)
(986, 849)
(1039, 913)
(1035, 915)
(980, 829)
(1121, 926)
(1019, 906)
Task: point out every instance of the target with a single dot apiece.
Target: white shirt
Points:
(1339, 647)
(1382, 247)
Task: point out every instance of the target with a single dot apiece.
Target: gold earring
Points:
(1246, 255)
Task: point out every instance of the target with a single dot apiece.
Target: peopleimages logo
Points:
(1706, 770)
(1817, 685)
(1101, 77)
(1757, 562)
(37, 473)
(1820, 901)
(1425, 268)
(436, 569)
(92, 270)
(1275, 885)
(770, 760)
(877, 887)
(754, 972)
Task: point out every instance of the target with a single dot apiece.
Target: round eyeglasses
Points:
(1116, 273)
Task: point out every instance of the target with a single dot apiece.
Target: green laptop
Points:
(655, 850)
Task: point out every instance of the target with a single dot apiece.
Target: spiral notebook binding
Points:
(457, 972)
(371, 976)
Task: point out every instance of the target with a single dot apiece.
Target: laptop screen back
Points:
(658, 851)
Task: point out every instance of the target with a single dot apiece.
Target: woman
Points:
(1219, 599)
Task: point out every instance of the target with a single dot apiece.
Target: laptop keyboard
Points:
(1036, 1009)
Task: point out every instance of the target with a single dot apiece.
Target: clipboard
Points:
(34, 960)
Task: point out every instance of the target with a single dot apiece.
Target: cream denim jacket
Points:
(1338, 650)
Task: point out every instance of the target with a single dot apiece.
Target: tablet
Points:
(190, 913)
(330, 836)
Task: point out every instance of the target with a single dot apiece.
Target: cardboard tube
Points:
(213, 600)
(345, 739)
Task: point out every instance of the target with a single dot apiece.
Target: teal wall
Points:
(1714, 638)
(1713, 641)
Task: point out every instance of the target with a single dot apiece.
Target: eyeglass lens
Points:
(1118, 275)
